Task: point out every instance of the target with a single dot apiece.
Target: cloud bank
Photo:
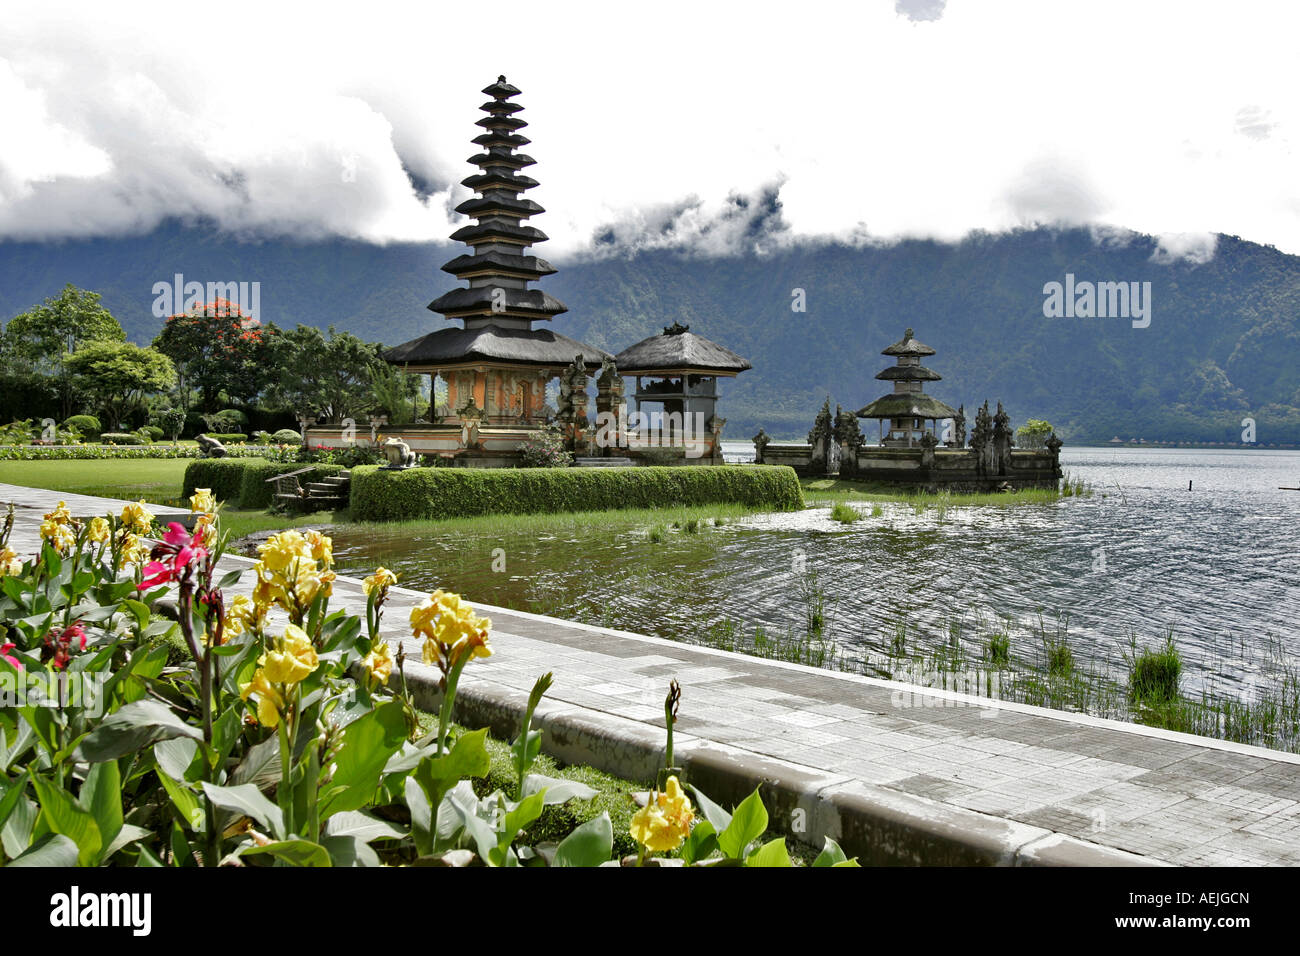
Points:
(712, 130)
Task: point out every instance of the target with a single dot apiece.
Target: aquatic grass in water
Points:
(844, 513)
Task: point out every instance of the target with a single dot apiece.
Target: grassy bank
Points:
(824, 492)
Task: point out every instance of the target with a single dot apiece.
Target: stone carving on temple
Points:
(821, 438)
(849, 438)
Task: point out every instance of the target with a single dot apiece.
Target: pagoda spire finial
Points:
(499, 268)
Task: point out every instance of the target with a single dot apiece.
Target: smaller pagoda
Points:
(907, 408)
(679, 371)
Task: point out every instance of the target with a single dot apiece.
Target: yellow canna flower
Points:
(279, 551)
(423, 616)
(137, 517)
(202, 501)
(135, 550)
(665, 822)
(450, 628)
(62, 536)
(60, 515)
(269, 701)
(379, 662)
(10, 563)
(99, 530)
(322, 548)
(380, 580)
(243, 616)
(292, 659)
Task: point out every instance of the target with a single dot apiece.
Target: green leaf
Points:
(366, 745)
(176, 758)
(832, 855)
(770, 854)
(702, 841)
(558, 791)
(260, 766)
(349, 851)
(748, 823)
(139, 610)
(128, 834)
(588, 845)
(417, 801)
(101, 794)
(62, 815)
(246, 800)
(363, 826)
(186, 802)
(133, 728)
(718, 817)
(54, 851)
(468, 758)
(295, 852)
(525, 812)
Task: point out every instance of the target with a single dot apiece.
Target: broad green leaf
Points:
(524, 813)
(17, 831)
(175, 757)
(558, 791)
(55, 851)
(62, 815)
(246, 800)
(588, 845)
(133, 728)
(260, 766)
(367, 744)
(702, 841)
(417, 801)
(101, 794)
(832, 855)
(770, 854)
(717, 816)
(363, 826)
(295, 852)
(349, 850)
(12, 794)
(128, 834)
(748, 823)
(186, 802)
(468, 758)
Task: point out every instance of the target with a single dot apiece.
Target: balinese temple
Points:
(496, 362)
(907, 408)
(678, 371)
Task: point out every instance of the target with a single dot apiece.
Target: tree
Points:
(217, 349)
(329, 377)
(43, 336)
(119, 374)
(395, 393)
(1033, 434)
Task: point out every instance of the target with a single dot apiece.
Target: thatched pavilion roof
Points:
(677, 349)
(907, 346)
(907, 405)
(495, 344)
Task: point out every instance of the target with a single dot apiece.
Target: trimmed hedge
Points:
(227, 437)
(121, 438)
(243, 480)
(90, 452)
(382, 495)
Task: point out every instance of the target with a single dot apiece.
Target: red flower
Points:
(14, 662)
(172, 556)
(60, 646)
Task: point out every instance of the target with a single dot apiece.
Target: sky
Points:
(716, 127)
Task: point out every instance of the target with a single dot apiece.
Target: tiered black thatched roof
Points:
(907, 405)
(679, 349)
(907, 346)
(497, 308)
(492, 343)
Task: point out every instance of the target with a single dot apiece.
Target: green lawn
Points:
(157, 481)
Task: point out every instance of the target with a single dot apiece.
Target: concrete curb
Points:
(881, 827)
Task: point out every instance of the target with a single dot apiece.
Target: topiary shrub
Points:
(383, 495)
(121, 438)
(287, 436)
(227, 437)
(170, 421)
(87, 425)
(223, 475)
(153, 431)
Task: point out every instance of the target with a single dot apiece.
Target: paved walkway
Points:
(900, 773)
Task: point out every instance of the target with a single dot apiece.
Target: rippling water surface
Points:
(1216, 564)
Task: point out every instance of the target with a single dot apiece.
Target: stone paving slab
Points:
(899, 773)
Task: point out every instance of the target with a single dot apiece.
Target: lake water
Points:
(1142, 555)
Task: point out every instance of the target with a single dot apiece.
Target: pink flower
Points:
(60, 646)
(13, 662)
(172, 556)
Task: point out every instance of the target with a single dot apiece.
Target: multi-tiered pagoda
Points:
(907, 408)
(497, 365)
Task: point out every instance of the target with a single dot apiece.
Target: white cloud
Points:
(1168, 118)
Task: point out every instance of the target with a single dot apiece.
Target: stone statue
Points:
(928, 444)
(848, 436)
(398, 453)
(211, 447)
(471, 417)
(981, 439)
(761, 441)
(959, 428)
(820, 439)
(1053, 445)
(1003, 438)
